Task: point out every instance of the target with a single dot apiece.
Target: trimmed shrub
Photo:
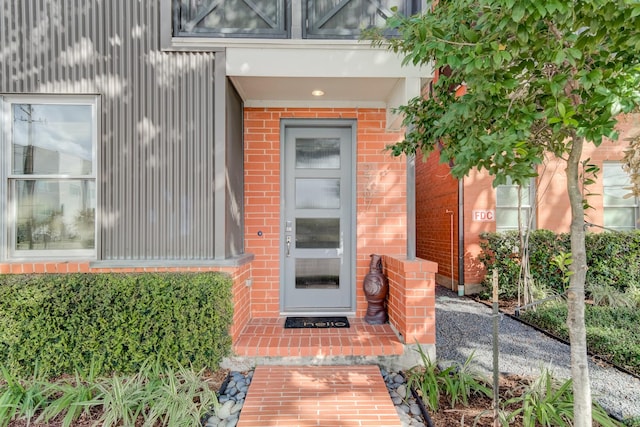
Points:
(501, 251)
(113, 322)
(613, 259)
(612, 332)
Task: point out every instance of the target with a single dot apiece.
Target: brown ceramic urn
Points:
(376, 288)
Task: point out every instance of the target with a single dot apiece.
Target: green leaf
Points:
(561, 109)
(559, 57)
(517, 13)
(540, 6)
(523, 34)
(574, 53)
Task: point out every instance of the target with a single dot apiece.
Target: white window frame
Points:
(605, 187)
(524, 208)
(8, 179)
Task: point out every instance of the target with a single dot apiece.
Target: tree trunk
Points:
(575, 294)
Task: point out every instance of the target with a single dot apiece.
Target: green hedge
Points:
(500, 250)
(613, 258)
(611, 332)
(113, 322)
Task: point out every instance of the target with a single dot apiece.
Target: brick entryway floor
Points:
(302, 396)
(267, 337)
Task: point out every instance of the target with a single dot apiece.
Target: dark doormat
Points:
(316, 322)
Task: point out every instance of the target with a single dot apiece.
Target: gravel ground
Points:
(464, 326)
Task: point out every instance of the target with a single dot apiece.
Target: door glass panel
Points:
(317, 153)
(318, 193)
(317, 233)
(312, 273)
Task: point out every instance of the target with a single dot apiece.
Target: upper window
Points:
(620, 210)
(49, 184)
(345, 19)
(513, 201)
(329, 19)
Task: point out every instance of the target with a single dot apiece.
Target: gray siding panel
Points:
(235, 181)
(155, 176)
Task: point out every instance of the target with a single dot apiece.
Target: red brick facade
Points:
(381, 198)
(437, 192)
(437, 215)
(381, 212)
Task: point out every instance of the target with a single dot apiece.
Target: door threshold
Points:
(317, 313)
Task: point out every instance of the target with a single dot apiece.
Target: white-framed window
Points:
(508, 198)
(49, 146)
(619, 212)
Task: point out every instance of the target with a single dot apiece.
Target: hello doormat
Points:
(316, 322)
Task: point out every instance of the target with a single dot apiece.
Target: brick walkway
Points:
(325, 396)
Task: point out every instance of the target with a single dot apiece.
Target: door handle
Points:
(288, 245)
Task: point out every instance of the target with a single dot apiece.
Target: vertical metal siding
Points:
(157, 145)
(234, 209)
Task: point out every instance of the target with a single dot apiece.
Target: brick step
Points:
(267, 337)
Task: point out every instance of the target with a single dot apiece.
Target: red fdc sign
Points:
(484, 215)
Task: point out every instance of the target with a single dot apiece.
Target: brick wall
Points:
(380, 204)
(436, 192)
(380, 214)
(411, 302)
(436, 206)
(553, 211)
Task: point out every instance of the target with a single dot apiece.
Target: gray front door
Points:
(317, 218)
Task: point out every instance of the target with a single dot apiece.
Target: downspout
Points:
(460, 237)
(452, 229)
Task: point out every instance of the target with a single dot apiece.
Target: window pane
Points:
(55, 214)
(238, 14)
(314, 273)
(346, 18)
(507, 195)
(616, 183)
(614, 196)
(317, 233)
(317, 153)
(619, 211)
(507, 219)
(614, 175)
(620, 218)
(52, 139)
(318, 193)
(231, 18)
(507, 205)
